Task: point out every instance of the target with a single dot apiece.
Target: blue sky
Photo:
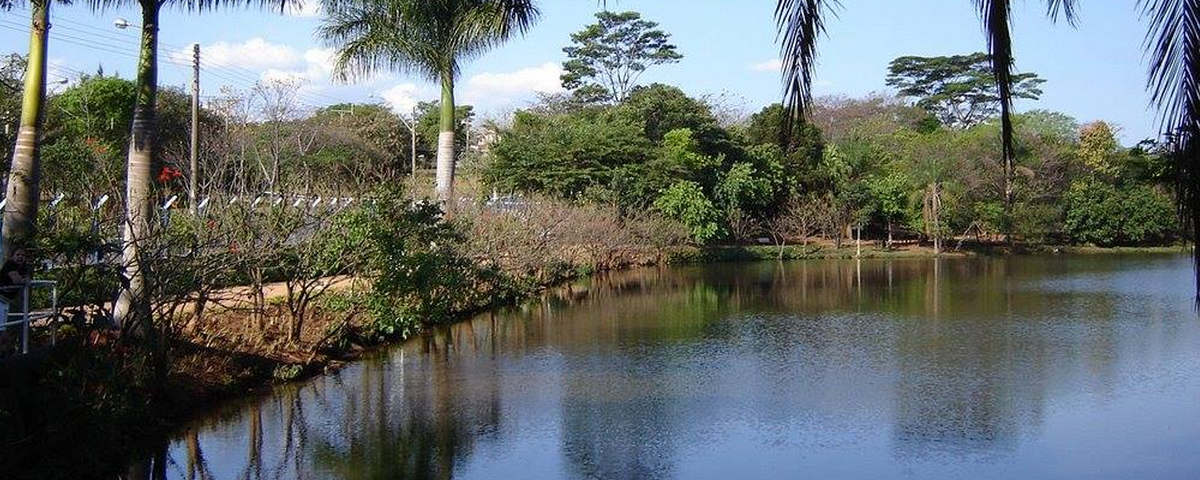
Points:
(1095, 71)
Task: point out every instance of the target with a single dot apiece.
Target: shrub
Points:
(1102, 214)
(685, 202)
(411, 254)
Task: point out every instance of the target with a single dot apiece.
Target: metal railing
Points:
(26, 316)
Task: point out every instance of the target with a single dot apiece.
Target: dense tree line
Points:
(881, 165)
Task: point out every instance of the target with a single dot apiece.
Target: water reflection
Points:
(932, 369)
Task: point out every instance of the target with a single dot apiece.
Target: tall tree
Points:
(607, 58)
(960, 89)
(1098, 148)
(132, 309)
(430, 38)
(24, 177)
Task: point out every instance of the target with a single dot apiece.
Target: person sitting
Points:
(14, 275)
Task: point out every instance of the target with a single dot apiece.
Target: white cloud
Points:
(319, 61)
(305, 8)
(253, 54)
(402, 98)
(276, 75)
(768, 66)
(318, 65)
(496, 89)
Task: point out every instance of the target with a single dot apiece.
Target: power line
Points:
(95, 38)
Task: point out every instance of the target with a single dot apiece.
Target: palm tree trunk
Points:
(132, 309)
(24, 177)
(937, 218)
(445, 151)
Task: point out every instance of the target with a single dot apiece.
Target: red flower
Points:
(167, 174)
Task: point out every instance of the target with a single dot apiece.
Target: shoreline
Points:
(243, 376)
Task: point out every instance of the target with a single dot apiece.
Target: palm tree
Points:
(428, 37)
(132, 308)
(20, 213)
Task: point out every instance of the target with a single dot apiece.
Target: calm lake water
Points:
(1059, 367)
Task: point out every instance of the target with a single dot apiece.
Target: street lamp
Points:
(122, 23)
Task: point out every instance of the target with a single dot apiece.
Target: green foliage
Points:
(410, 254)
(1102, 214)
(564, 154)
(747, 189)
(889, 196)
(435, 39)
(605, 59)
(686, 203)
(87, 134)
(1047, 124)
(1098, 149)
(959, 89)
(662, 108)
(429, 119)
(806, 145)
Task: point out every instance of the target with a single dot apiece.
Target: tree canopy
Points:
(960, 89)
(607, 58)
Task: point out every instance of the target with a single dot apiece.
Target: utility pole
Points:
(194, 181)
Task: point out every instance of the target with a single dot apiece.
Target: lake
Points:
(1066, 367)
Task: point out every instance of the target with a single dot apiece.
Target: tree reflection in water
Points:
(763, 369)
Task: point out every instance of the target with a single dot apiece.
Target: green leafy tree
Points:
(686, 203)
(566, 154)
(1099, 150)
(679, 158)
(410, 252)
(428, 38)
(745, 188)
(1049, 125)
(889, 195)
(1100, 213)
(959, 89)
(607, 58)
(803, 144)
(933, 163)
(663, 108)
(87, 134)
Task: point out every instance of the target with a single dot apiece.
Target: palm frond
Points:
(516, 16)
(800, 23)
(428, 37)
(1063, 8)
(196, 5)
(380, 35)
(996, 17)
(1173, 42)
